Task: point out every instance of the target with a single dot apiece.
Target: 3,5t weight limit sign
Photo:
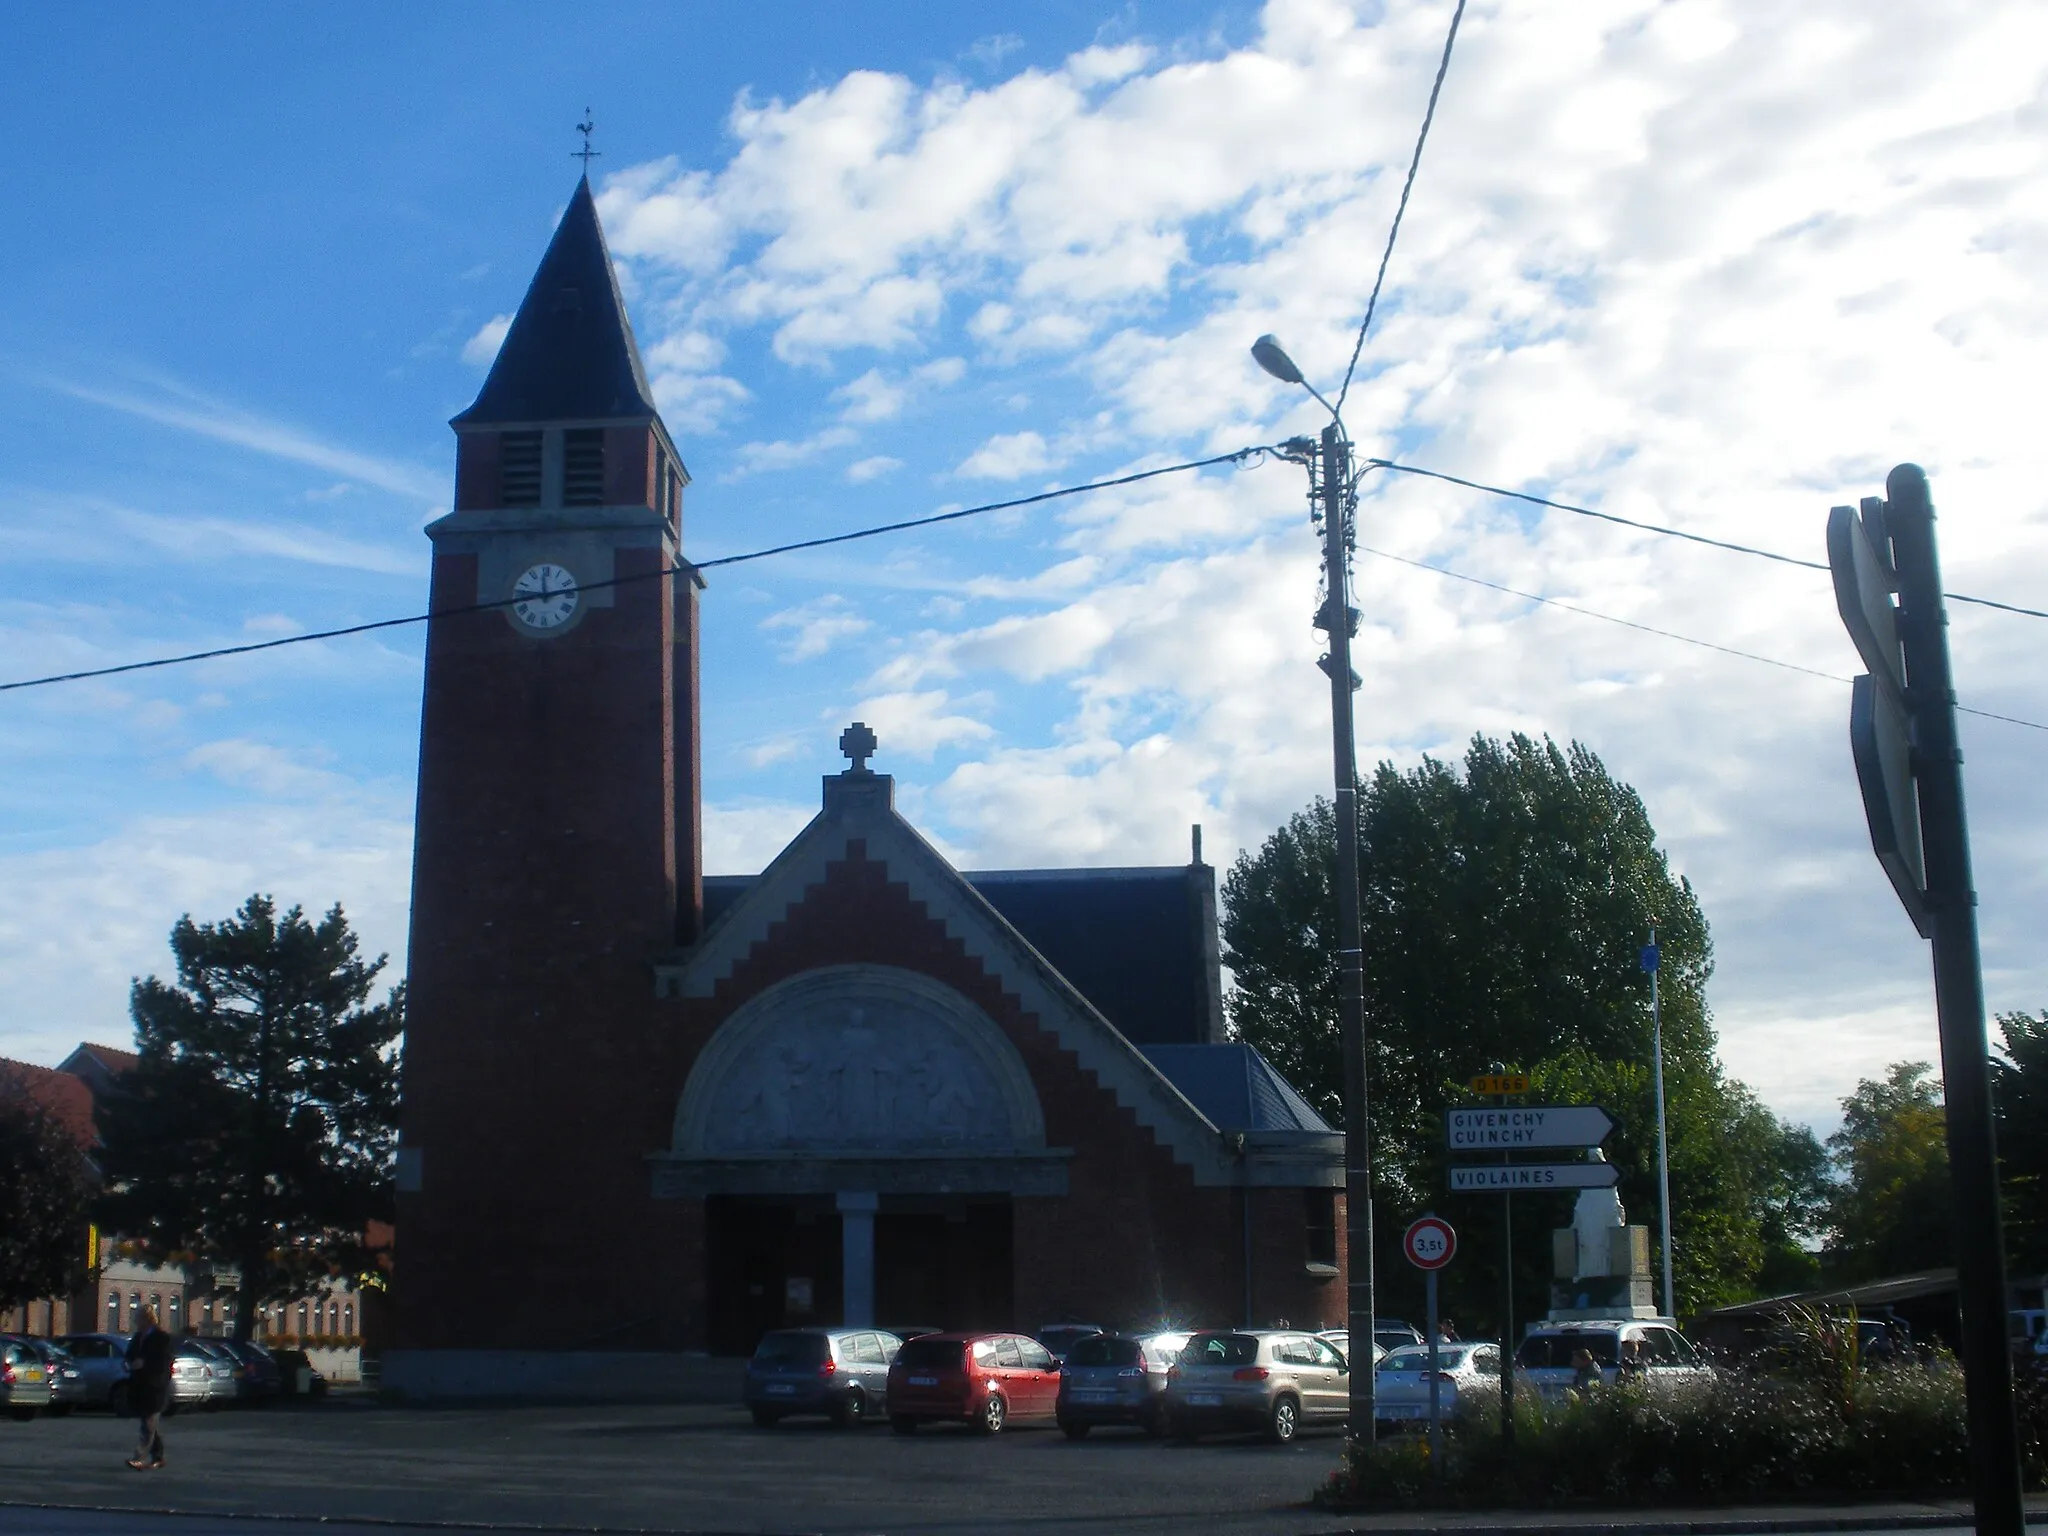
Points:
(1430, 1243)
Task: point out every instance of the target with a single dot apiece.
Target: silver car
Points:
(102, 1363)
(1653, 1348)
(199, 1377)
(1269, 1379)
(1400, 1387)
(25, 1385)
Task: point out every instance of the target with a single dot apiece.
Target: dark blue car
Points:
(842, 1373)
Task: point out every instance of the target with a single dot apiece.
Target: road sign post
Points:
(1902, 721)
(1429, 1243)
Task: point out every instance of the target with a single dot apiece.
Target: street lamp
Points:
(1330, 475)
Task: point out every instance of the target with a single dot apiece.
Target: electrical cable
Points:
(1238, 456)
(1407, 187)
(1669, 533)
(1651, 629)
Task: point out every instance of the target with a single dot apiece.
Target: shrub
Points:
(1821, 1422)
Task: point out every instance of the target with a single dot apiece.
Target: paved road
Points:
(666, 1469)
(674, 1469)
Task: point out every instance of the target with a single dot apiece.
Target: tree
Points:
(1504, 910)
(2019, 1097)
(1890, 1211)
(45, 1192)
(259, 1125)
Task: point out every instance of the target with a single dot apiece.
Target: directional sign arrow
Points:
(1497, 1179)
(1527, 1125)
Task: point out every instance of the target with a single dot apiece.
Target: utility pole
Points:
(1909, 764)
(1340, 620)
(1650, 958)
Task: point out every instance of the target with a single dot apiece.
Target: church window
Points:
(664, 500)
(348, 1319)
(1321, 1212)
(113, 1311)
(519, 468)
(583, 467)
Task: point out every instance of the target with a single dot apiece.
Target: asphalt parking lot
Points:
(696, 1469)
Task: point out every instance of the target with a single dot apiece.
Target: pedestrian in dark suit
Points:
(149, 1389)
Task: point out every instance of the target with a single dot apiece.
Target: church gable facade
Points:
(861, 1092)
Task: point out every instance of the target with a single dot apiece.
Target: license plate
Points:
(781, 1389)
(1091, 1394)
(923, 1381)
(1387, 1411)
(1205, 1399)
(32, 1375)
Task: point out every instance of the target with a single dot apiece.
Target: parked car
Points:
(199, 1377)
(1339, 1339)
(1390, 1333)
(67, 1383)
(257, 1380)
(1061, 1337)
(984, 1380)
(1400, 1386)
(1256, 1378)
(1113, 1378)
(25, 1386)
(842, 1373)
(101, 1360)
(1547, 1356)
(296, 1375)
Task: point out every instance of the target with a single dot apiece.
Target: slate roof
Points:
(1134, 942)
(570, 354)
(1236, 1088)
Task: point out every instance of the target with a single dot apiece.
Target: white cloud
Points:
(1008, 456)
(916, 724)
(817, 627)
(860, 471)
(481, 350)
(187, 410)
(755, 458)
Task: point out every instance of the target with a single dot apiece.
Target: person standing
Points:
(149, 1389)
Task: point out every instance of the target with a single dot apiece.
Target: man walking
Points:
(149, 1389)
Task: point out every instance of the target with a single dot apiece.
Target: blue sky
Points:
(884, 261)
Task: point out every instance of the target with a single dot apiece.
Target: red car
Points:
(983, 1380)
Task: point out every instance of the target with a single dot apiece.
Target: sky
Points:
(1716, 265)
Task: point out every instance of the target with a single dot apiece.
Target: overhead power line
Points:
(1239, 456)
(1394, 229)
(1651, 629)
(1669, 533)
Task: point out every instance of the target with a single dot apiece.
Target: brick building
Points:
(644, 1110)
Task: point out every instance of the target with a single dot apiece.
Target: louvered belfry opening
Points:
(519, 468)
(583, 467)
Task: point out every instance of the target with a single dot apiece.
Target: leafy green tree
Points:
(1505, 908)
(1890, 1211)
(45, 1194)
(260, 1124)
(2019, 1095)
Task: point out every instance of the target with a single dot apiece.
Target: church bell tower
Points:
(556, 847)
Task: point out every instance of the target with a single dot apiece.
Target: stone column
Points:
(857, 1257)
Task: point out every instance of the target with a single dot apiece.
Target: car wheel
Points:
(995, 1413)
(851, 1409)
(23, 1414)
(1074, 1430)
(1284, 1423)
(766, 1418)
(58, 1410)
(117, 1399)
(1154, 1421)
(903, 1424)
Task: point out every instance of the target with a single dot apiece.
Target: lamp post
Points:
(1330, 477)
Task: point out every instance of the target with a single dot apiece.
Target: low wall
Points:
(591, 1376)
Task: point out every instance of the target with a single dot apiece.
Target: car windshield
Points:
(1104, 1350)
(791, 1349)
(1220, 1349)
(1416, 1358)
(1556, 1351)
(931, 1354)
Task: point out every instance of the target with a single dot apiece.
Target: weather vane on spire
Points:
(586, 154)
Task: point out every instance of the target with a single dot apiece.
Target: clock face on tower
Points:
(544, 597)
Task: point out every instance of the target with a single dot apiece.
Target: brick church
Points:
(650, 1110)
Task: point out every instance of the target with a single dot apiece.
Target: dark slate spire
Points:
(570, 353)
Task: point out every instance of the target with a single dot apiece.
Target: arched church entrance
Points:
(858, 1134)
